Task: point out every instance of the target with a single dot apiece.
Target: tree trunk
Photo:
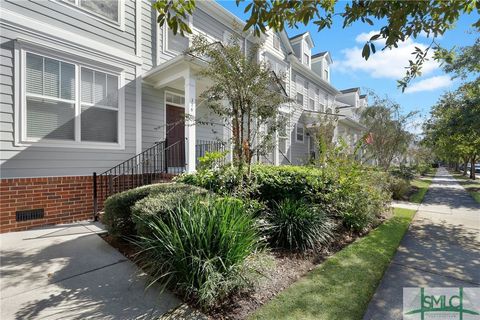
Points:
(472, 168)
(465, 163)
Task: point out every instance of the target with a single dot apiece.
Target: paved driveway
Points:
(440, 249)
(69, 272)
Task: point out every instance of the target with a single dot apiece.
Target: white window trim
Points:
(297, 126)
(120, 24)
(277, 38)
(20, 136)
(164, 30)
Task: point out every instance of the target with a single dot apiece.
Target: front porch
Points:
(186, 124)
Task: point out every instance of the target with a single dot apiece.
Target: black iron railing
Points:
(204, 146)
(284, 156)
(158, 163)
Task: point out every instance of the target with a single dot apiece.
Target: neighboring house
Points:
(350, 104)
(88, 85)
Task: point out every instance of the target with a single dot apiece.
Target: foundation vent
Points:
(29, 215)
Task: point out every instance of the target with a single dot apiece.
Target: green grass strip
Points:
(342, 286)
(422, 185)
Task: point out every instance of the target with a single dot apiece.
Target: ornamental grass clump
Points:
(200, 249)
(299, 226)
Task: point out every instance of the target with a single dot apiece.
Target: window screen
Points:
(300, 98)
(50, 96)
(48, 119)
(299, 133)
(99, 117)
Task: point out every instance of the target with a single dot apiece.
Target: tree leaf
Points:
(366, 51)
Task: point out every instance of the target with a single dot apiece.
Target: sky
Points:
(382, 70)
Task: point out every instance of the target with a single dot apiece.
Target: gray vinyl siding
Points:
(153, 113)
(209, 25)
(85, 24)
(298, 150)
(210, 127)
(34, 161)
(149, 36)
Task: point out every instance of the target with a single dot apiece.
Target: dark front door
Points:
(175, 136)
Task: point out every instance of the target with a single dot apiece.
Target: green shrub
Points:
(267, 183)
(296, 225)
(118, 216)
(356, 194)
(398, 187)
(200, 248)
(158, 203)
(211, 160)
(403, 172)
(360, 198)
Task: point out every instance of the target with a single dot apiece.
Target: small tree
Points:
(322, 133)
(387, 127)
(244, 92)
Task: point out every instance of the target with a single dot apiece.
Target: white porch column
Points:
(276, 153)
(190, 127)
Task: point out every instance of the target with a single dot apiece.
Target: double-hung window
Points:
(69, 103)
(276, 42)
(300, 98)
(49, 99)
(99, 106)
(300, 134)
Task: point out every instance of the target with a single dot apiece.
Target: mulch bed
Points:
(287, 269)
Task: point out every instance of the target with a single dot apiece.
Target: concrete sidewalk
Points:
(440, 249)
(69, 272)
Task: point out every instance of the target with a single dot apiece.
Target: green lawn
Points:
(472, 186)
(422, 185)
(342, 286)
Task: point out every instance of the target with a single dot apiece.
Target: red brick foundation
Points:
(63, 199)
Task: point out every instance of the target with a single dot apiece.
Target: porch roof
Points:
(345, 120)
(183, 65)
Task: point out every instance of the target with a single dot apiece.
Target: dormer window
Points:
(326, 74)
(306, 59)
(276, 42)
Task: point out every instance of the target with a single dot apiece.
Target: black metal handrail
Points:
(204, 146)
(284, 156)
(159, 162)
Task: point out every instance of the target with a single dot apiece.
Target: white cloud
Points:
(388, 63)
(364, 37)
(429, 84)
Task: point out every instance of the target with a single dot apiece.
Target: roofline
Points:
(216, 10)
(302, 35)
(350, 90)
(297, 36)
(321, 55)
